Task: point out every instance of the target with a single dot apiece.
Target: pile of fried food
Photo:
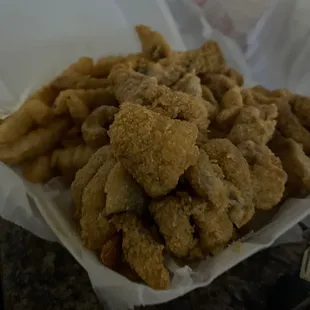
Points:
(165, 151)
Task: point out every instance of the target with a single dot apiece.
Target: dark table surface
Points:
(37, 274)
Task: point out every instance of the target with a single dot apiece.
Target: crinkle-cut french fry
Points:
(79, 82)
(104, 65)
(73, 137)
(35, 111)
(90, 98)
(39, 169)
(33, 144)
(69, 160)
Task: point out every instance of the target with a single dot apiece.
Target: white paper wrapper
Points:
(32, 55)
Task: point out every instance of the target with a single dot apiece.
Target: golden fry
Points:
(89, 98)
(34, 144)
(69, 160)
(73, 137)
(39, 170)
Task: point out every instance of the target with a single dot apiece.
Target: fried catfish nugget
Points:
(35, 143)
(237, 178)
(95, 227)
(39, 170)
(155, 149)
(95, 127)
(85, 175)
(172, 216)
(142, 252)
(267, 175)
(111, 252)
(289, 125)
(190, 84)
(135, 87)
(219, 84)
(123, 193)
(254, 124)
(207, 179)
(154, 45)
(301, 108)
(231, 104)
(208, 59)
(215, 229)
(69, 160)
(234, 75)
(295, 163)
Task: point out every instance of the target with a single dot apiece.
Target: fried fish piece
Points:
(39, 170)
(189, 84)
(123, 193)
(95, 227)
(254, 124)
(155, 149)
(142, 252)
(133, 86)
(267, 175)
(35, 143)
(295, 163)
(208, 59)
(166, 73)
(237, 176)
(219, 84)
(231, 104)
(234, 75)
(301, 108)
(172, 216)
(95, 127)
(289, 125)
(138, 88)
(111, 252)
(69, 160)
(207, 180)
(215, 229)
(85, 175)
(154, 45)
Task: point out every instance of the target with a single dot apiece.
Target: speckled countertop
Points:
(37, 274)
